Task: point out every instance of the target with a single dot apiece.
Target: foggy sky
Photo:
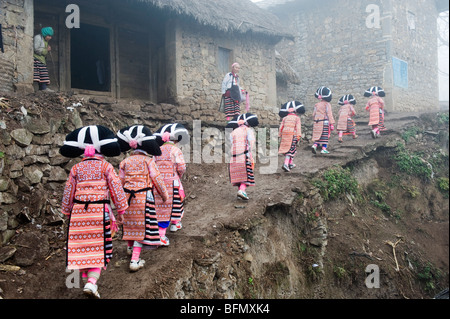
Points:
(443, 54)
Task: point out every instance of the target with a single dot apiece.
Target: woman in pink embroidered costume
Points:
(375, 106)
(233, 93)
(141, 179)
(242, 164)
(290, 132)
(346, 125)
(323, 120)
(172, 167)
(91, 185)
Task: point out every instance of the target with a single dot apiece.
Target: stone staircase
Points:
(276, 188)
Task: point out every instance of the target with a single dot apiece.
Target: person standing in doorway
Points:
(41, 49)
(232, 92)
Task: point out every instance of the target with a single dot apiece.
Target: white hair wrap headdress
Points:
(96, 142)
(140, 137)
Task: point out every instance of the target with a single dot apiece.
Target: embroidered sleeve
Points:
(69, 192)
(280, 131)
(380, 100)
(180, 164)
(298, 128)
(122, 172)
(157, 180)
(330, 114)
(118, 195)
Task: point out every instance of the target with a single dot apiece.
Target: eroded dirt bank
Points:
(288, 241)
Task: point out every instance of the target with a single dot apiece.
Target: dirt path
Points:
(211, 208)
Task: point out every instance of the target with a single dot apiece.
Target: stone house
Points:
(174, 51)
(351, 45)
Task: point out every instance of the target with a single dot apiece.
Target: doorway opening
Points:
(90, 58)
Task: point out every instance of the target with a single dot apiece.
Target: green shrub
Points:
(442, 183)
(413, 191)
(412, 164)
(411, 132)
(385, 208)
(430, 276)
(443, 118)
(335, 182)
(339, 272)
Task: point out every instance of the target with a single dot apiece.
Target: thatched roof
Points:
(240, 16)
(285, 71)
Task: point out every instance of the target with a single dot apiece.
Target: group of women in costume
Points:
(323, 121)
(241, 167)
(147, 194)
(290, 129)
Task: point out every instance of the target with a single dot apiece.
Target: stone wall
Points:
(29, 164)
(32, 129)
(333, 48)
(16, 63)
(336, 48)
(199, 90)
(418, 47)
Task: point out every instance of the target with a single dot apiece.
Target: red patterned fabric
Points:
(346, 112)
(374, 105)
(290, 128)
(138, 173)
(241, 167)
(322, 112)
(172, 166)
(89, 239)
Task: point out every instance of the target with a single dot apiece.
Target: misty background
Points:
(442, 46)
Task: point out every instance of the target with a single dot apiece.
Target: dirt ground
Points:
(219, 231)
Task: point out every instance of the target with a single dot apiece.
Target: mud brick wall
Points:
(200, 82)
(336, 48)
(16, 63)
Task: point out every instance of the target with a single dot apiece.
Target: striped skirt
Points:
(89, 239)
(325, 137)
(232, 108)
(351, 127)
(108, 239)
(293, 150)
(241, 171)
(177, 206)
(381, 123)
(40, 72)
(151, 237)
